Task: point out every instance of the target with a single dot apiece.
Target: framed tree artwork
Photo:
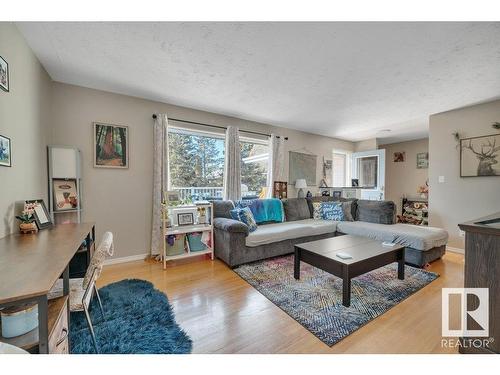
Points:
(110, 146)
(480, 156)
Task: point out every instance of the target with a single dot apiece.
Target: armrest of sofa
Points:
(230, 225)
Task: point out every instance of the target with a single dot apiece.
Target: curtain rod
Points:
(219, 127)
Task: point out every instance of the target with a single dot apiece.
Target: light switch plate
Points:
(441, 179)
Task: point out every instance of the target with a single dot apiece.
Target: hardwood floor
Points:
(224, 314)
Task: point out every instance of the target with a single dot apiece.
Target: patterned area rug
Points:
(315, 301)
(139, 320)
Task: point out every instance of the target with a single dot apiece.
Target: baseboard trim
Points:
(132, 258)
(455, 250)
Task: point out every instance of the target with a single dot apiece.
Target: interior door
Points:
(368, 167)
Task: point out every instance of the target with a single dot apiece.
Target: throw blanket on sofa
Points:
(264, 210)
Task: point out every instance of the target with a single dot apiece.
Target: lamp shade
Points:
(300, 183)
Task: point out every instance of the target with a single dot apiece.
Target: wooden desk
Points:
(31, 264)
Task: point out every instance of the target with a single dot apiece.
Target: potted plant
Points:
(202, 215)
(27, 219)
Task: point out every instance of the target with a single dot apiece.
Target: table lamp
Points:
(300, 184)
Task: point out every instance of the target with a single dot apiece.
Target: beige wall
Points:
(460, 199)
(403, 179)
(366, 145)
(24, 118)
(120, 200)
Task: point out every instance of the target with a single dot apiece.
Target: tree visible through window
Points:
(196, 160)
(196, 165)
(254, 159)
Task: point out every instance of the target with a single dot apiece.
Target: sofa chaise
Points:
(235, 245)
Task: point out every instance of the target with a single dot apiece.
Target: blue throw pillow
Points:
(332, 211)
(245, 216)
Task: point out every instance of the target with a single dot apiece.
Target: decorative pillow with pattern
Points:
(317, 211)
(245, 216)
(332, 211)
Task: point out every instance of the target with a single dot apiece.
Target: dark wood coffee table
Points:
(367, 255)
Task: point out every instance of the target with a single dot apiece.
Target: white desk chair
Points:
(81, 291)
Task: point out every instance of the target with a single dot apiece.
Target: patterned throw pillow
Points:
(316, 210)
(245, 216)
(332, 211)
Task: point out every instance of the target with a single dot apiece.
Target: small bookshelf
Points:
(172, 227)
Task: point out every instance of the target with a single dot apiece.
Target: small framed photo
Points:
(186, 218)
(337, 194)
(110, 146)
(41, 214)
(65, 195)
(399, 157)
(172, 198)
(5, 152)
(422, 160)
(354, 182)
(4, 74)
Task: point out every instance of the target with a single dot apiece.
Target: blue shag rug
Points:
(139, 320)
(315, 301)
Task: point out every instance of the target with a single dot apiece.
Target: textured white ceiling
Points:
(346, 80)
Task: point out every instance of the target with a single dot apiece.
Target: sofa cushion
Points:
(271, 233)
(245, 216)
(296, 209)
(316, 210)
(380, 212)
(223, 208)
(332, 211)
(416, 237)
(347, 206)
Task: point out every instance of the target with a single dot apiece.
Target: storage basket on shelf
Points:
(175, 244)
(18, 320)
(194, 240)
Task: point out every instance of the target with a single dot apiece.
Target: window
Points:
(367, 171)
(254, 159)
(196, 163)
(340, 169)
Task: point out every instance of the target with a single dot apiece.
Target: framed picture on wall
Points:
(5, 152)
(110, 146)
(4, 74)
(423, 160)
(399, 157)
(65, 195)
(480, 156)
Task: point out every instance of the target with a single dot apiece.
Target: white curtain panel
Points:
(270, 165)
(276, 162)
(232, 172)
(279, 159)
(160, 179)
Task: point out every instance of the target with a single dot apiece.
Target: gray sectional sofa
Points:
(375, 219)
